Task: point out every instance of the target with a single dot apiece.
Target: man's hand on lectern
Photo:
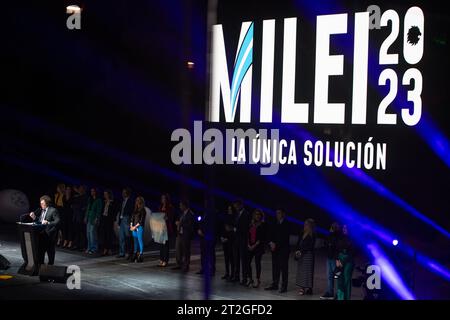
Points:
(32, 215)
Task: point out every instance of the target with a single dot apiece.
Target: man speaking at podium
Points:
(48, 216)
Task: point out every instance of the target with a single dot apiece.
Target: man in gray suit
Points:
(48, 216)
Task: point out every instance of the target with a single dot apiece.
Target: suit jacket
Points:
(186, 225)
(79, 206)
(227, 226)
(111, 213)
(127, 211)
(94, 210)
(280, 236)
(242, 225)
(53, 219)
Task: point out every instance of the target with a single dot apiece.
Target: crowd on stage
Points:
(80, 219)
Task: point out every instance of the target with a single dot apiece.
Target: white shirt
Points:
(124, 203)
(44, 212)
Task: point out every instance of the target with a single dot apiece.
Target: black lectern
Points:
(29, 240)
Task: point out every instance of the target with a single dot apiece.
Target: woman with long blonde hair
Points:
(137, 228)
(305, 258)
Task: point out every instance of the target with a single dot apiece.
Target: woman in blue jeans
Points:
(137, 229)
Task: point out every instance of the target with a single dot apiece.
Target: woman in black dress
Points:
(305, 258)
(106, 228)
(67, 213)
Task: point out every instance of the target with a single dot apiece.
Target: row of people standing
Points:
(87, 221)
(245, 239)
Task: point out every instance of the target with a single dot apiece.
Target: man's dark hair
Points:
(127, 190)
(46, 199)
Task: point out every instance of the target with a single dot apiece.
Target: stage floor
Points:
(113, 278)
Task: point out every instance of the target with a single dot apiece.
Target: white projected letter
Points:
(328, 65)
(361, 55)
(241, 84)
(291, 112)
(268, 47)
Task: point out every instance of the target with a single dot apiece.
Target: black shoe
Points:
(235, 280)
(225, 277)
(199, 272)
(140, 258)
(120, 256)
(243, 283)
(176, 268)
(283, 290)
(272, 287)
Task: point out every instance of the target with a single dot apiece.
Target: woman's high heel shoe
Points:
(249, 282)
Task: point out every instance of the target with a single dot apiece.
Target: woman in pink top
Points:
(256, 243)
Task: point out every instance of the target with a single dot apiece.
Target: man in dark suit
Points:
(207, 227)
(123, 220)
(48, 216)
(241, 241)
(79, 206)
(185, 232)
(279, 245)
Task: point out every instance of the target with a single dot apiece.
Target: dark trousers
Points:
(79, 234)
(229, 258)
(280, 263)
(183, 251)
(257, 254)
(68, 228)
(106, 232)
(164, 251)
(240, 250)
(47, 245)
(208, 254)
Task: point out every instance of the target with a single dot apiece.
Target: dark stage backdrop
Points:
(98, 106)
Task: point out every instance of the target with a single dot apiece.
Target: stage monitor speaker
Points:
(56, 274)
(4, 263)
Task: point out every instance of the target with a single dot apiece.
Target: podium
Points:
(29, 241)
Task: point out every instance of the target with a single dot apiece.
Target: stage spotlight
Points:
(199, 218)
(72, 9)
(190, 65)
(395, 242)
